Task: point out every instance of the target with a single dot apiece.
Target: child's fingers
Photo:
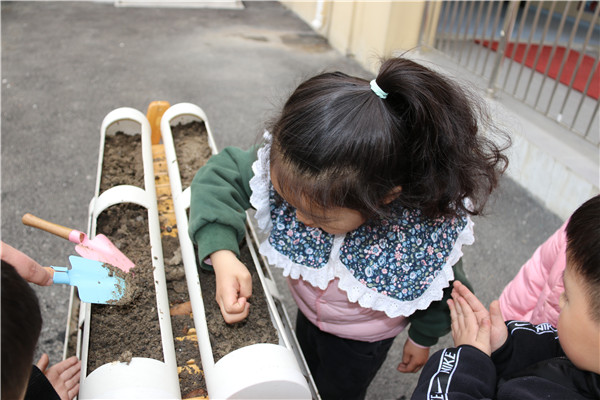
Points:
(232, 318)
(469, 320)
(452, 308)
(485, 328)
(453, 315)
(43, 362)
(231, 298)
(460, 316)
(71, 362)
(457, 305)
(455, 326)
(72, 372)
(496, 317)
(499, 332)
(473, 302)
(496, 314)
(74, 391)
(245, 286)
(49, 278)
(484, 332)
(72, 382)
(461, 289)
(234, 304)
(464, 322)
(234, 309)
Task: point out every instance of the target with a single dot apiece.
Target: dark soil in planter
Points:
(132, 330)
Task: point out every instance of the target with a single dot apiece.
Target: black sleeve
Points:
(460, 373)
(39, 387)
(527, 344)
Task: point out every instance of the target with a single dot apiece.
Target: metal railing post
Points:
(505, 34)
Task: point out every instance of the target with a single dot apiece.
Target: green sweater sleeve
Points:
(427, 326)
(220, 196)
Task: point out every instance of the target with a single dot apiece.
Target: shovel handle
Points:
(37, 222)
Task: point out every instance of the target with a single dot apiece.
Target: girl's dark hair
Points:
(21, 327)
(340, 145)
(583, 250)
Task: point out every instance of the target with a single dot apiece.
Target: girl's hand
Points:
(63, 376)
(413, 357)
(234, 285)
(470, 320)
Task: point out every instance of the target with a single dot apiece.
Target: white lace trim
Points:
(369, 298)
(260, 184)
(334, 268)
(317, 277)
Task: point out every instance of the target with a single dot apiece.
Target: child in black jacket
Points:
(21, 326)
(518, 360)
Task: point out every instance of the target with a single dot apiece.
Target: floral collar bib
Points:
(397, 265)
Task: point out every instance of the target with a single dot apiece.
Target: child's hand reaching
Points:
(413, 357)
(472, 324)
(63, 376)
(29, 269)
(234, 285)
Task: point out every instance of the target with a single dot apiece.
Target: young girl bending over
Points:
(364, 190)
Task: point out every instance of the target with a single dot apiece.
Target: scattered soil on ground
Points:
(132, 330)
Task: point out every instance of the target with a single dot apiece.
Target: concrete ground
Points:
(65, 65)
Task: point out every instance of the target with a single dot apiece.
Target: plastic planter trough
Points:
(257, 371)
(140, 377)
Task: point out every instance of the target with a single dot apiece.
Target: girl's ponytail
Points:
(441, 126)
(410, 134)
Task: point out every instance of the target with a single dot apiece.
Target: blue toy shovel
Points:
(95, 282)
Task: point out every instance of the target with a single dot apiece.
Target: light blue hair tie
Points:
(378, 91)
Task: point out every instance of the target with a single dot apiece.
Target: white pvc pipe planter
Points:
(142, 378)
(259, 371)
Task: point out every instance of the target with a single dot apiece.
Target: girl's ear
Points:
(392, 195)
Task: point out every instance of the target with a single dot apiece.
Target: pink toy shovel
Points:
(99, 248)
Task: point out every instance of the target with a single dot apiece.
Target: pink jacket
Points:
(533, 295)
(331, 312)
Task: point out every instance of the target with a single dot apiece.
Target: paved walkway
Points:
(66, 65)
